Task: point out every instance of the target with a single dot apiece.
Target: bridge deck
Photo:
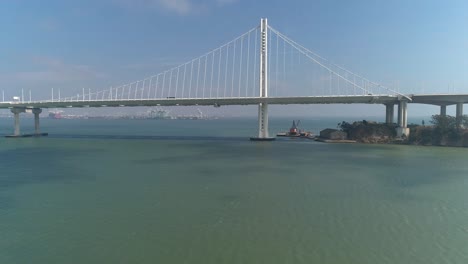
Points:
(442, 99)
(366, 99)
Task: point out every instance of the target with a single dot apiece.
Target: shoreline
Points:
(324, 140)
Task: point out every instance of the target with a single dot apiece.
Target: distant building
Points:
(333, 134)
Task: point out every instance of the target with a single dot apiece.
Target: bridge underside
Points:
(440, 99)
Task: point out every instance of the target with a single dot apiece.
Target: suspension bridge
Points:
(260, 67)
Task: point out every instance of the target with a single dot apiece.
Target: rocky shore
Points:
(443, 131)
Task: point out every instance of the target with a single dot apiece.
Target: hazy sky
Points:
(422, 45)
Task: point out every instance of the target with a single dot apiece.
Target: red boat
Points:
(294, 131)
(55, 115)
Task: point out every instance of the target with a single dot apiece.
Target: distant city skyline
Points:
(416, 46)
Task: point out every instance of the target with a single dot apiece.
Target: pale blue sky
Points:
(99, 43)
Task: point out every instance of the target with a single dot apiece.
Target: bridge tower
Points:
(263, 107)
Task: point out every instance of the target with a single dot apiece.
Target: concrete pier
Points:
(263, 121)
(459, 110)
(17, 132)
(459, 114)
(389, 113)
(37, 128)
(443, 110)
(403, 119)
(399, 114)
(16, 112)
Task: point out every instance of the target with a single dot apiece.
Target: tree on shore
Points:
(446, 122)
(448, 127)
(345, 126)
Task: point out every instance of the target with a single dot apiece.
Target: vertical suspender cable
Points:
(240, 64)
(363, 84)
(219, 72)
(183, 82)
(212, 71)
(156, 87)
(191, 77)
(233, 70)
(129, 91)
(339, 88)
(248, 63)
(198, 78)
(163, 85)
(226, 70)
(177, 81)
(204, 77)
(150, 85)
(136, 90)
(284, 61)
(276, 74)
(292, 59)
(354, 84)
(169, 89)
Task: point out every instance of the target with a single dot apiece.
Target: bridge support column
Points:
(263, 121)
(16, 112)
(459, 109)
(402, 128)
(389, 112)
(459, 115)
(443, 110)
(399, 113)
(36, 112)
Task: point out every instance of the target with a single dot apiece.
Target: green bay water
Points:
(198, 191)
